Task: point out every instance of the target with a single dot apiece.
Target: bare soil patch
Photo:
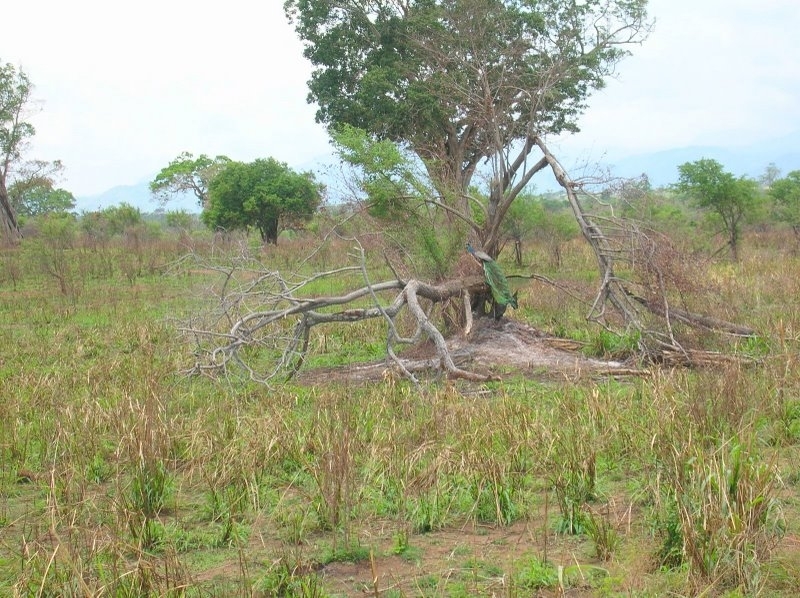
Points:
(491, 346)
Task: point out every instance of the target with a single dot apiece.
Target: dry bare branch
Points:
(648, 256)
(263, 320)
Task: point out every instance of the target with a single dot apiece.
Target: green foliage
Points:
(46, 201)
(719, 512)
(494, 503)
(612, 345)
(573, 468)
(379, 67)
(99, 469)
(718, 191)
(348, 552)
(265, 194)
(535, 574)
(56, 236)
(604, 536)
(429, 511)
(364, 60)
(296, 521)
(15, 95)
(524, 216)
(34, 191)
(180, 219)
(399, 195)
(786, 193)
(57, 231)
(151, 487)
(660, 209)
(402, 547)
(385, 174)
(188, 174)
(668, 528)
(15, 90)
(285, 578)
(457, 460)
(227, 507)
(110, 221)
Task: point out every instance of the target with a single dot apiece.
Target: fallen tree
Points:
(422, 99)
(281, 301)
(642, 251)
(263, 320)
(271, 343)
(281, 329)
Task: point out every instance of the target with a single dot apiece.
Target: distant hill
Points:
(661, 168)
(138, 195)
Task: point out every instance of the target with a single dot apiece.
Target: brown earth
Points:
(491, 347)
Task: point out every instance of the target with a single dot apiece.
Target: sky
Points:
(121, 89)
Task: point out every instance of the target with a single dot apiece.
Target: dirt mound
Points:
(491, 346)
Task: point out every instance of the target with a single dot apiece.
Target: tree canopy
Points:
(15, 96)
(265, 194)
(34, 191)
(188, 174)
(458, 82)
(110, 221)
(786, 193)
(720, 192)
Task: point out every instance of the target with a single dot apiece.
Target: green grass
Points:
(118, 472)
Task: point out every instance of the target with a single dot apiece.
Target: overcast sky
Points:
(125, 87)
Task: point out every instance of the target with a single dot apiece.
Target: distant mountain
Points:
(661, 168)
(138, 195)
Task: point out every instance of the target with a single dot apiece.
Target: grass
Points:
(119, 476)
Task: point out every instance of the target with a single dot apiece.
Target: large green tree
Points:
(15, 96)
(265, 194)
(460, 83)
(715, 190)
(187, 174)
(34, 191)
(786, 193)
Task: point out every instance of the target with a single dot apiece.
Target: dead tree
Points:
(620, 241)
(263, 319)
(260, 310)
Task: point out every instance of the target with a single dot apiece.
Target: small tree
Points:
(388, 181)
(715, 190)
(188, 174)
(771, 174)
(15, 95)
(180, 219)
(786, 193)
(114, 220)
(34, 191)
(265, 194)
(524, 216)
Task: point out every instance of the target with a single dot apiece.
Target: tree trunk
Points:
(269, 232)
(733, 242)
(9, 228)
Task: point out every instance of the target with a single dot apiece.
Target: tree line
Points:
(442, 109)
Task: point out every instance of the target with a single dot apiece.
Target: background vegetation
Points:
(121, 476)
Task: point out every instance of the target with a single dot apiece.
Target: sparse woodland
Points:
(304, 398)
(121, 474)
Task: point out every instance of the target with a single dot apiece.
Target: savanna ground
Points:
(121, 476)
